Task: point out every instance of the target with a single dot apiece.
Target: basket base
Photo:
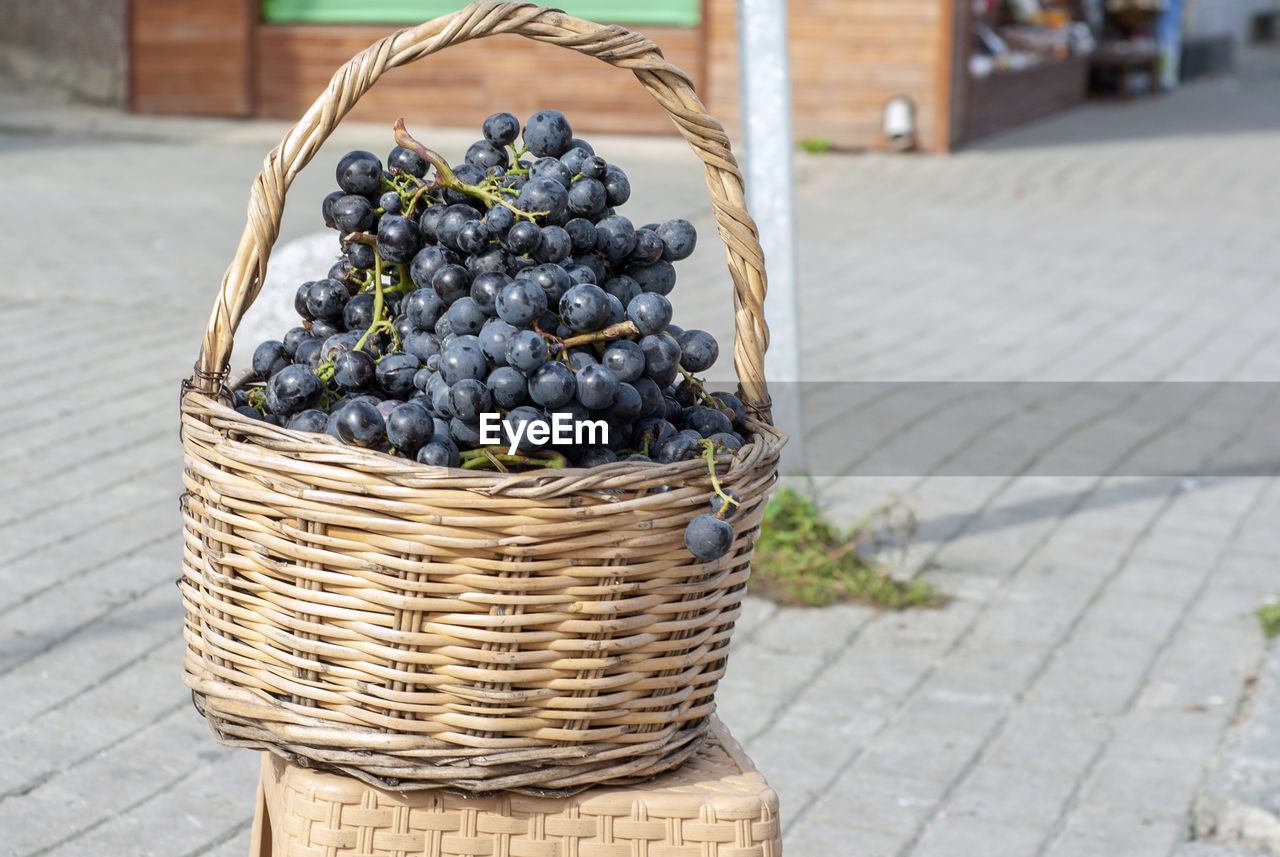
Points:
(716, 803)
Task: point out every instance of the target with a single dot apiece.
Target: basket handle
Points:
(669, 86)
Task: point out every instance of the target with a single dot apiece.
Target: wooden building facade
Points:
(272, 58)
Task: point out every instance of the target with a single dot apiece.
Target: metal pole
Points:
(765, 75)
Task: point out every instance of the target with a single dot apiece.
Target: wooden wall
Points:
(191, 58)
(462, 85)
(848, 57)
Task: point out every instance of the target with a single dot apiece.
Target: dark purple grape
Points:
(651, 402)
(626, 406)
(594, 456)
(581, 358)
(326, 207)
(586, 198)
(353, 213)
(429, 220)
(358, 313)
(582, 234)
(485, 154)
(473, 237)
(617, 186)
(617, 312)
(498, 220)
(360, 255)
(360, 424)
(597, 386)
(648, 248)
(327, 299)
(523, 237)
(552, 168)
(508, 386)
(730, 440)
(485, 289)
(681, 446)
(467, 174)
(300, 300)
(585, 307)
(268, 359)
(465, 434)
(599, 273)
(353, 370)
(440, 451)
(294, 388)
(650, 313)
(462, 358)
(594, 167)
(390, 202)
(312, 419)
(554, 245)
(544, 198)
(501, 129)
(325, 328)
(547, 134)
(470, 398)
(494, 336)
(295, 337)
(615, 238)
(729, 402)
(466, 316)
(708, 538)
(659, 278)
(406, 161)
(398, 239)
(552, 385)
(308, 353)
(395, 373)
(359, 172)
(409, 426)
(428, 262)
(625, 358)
(678, 238)
(698, 350)
(623, 288)
(452, 282)
(423, 308)
(521, 302)
(651, 431)
(573, 158)
(526, 351)
(707, 421)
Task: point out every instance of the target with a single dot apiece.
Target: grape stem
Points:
(445, 176)
(621, 330)
(709, 449)
(699, 388)
(491, 457)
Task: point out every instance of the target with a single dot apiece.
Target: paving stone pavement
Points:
(1071, 700)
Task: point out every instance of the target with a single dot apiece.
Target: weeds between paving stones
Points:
(1269, 616)
(802, 558)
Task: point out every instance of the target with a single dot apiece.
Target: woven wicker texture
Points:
(716, 805)
(420, 627)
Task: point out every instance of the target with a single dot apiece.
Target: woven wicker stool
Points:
(715, 805)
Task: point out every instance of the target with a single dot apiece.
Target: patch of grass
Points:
(1269, 615)
(801, 558)
(816, 145)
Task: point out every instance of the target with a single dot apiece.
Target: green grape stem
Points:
(446, 178)
(709, 449)
(494, 457)
(699, 388)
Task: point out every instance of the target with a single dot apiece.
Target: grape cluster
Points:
(481, 314)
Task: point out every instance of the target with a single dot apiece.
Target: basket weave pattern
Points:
(716, 805)
(420, 627)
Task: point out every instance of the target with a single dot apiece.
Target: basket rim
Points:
(764, 441)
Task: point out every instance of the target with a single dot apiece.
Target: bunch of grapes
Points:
(500, 314)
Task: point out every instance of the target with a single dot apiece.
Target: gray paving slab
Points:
(1073, 697)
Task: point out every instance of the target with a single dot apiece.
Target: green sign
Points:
(684, 13)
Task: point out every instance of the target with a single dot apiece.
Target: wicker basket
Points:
(715, 805)
(423, 627)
